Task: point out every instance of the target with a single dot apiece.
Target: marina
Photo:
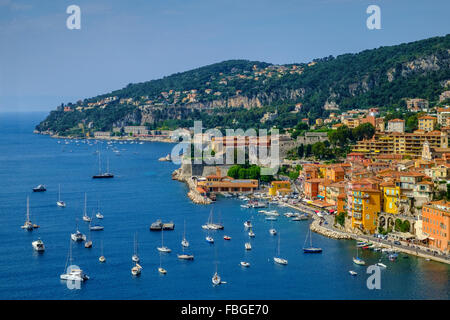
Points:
(135, 199)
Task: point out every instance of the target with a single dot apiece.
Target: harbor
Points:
(142, 192)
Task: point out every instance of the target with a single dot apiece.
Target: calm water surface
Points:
(141, 192)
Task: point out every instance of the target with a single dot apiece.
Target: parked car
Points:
(397, 243)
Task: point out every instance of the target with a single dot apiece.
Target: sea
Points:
(142, 192)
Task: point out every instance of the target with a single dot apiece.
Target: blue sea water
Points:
(141, 192)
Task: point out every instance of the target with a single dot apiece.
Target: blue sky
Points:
(42, 63)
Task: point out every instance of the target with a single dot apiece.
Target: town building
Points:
(427, 123)
(436, 224)
(279, 188)
(396, 125)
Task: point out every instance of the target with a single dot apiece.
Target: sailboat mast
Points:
(99, 165)
(85, 201)
(28, 209)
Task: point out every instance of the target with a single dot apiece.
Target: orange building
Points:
(335, 173)
(312, 188)
(436, 224)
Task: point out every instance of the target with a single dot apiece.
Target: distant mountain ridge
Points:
(371, 78)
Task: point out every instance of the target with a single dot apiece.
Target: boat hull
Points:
(312, 250)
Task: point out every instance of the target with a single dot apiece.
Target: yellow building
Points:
(427, 123)
(279, 188)
(391, 197)
(366, 205)
(401, 143)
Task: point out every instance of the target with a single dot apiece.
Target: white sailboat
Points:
(310, 249)
(98, 214)
(216, 280)
(88, 243)
(211, 225)
(278, 259)
(135, 257)
(102, 257)
(163, 248)
(78, 236)
(136, 270)
(161, 269)
(28, 225)
(251, 234)
(358, 260)
(184, 242)
(72, 273)
(248, 246)
(60, 203)
(85, 216)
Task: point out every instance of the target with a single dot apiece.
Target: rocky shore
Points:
(334, 234)
(193, 194)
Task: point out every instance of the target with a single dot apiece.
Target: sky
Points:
(44, 64)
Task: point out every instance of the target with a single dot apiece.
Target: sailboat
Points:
(161, 269)
(60, 203)
(358, 260)
(102, 175)
(102, 257)
(28, 225)
(135, 256)
(72, 273)
(278, 259)
(88, 243)
(310, 249)
(136, 270)
(95, 227)
(78, 236)
(185, 256)
(163, 248)
(184, 242)
(211, 225)
(98, 214)
(216, 278)
(251, 233)
(85, 216)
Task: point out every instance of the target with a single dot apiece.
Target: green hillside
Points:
(238, 92)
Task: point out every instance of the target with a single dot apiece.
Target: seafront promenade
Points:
(319, 226)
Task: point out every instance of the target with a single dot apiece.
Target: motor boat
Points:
(273, 231)
(39, 188)
(226, 237)
(38, 245)
(209, 239)
(245, 264)
(248, 224)
(353, 273)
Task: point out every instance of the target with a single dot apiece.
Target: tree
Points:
(363, 131)
(233, 172)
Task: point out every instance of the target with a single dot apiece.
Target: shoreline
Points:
(332, 233)
(123, 138)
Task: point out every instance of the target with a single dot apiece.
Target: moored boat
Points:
(39, 188)
(38, 245)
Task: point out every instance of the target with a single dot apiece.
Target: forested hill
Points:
(237, 91)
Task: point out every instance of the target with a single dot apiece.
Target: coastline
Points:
(332, 233)
(124, 138)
